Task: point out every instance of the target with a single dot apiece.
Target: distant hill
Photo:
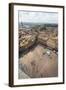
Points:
(29, 25)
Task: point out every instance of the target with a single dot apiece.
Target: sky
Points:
(38, 17)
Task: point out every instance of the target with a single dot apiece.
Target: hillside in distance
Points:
(30, 25)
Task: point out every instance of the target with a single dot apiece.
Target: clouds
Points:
(38, 17)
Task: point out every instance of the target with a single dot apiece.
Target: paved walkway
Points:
(22, 75)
